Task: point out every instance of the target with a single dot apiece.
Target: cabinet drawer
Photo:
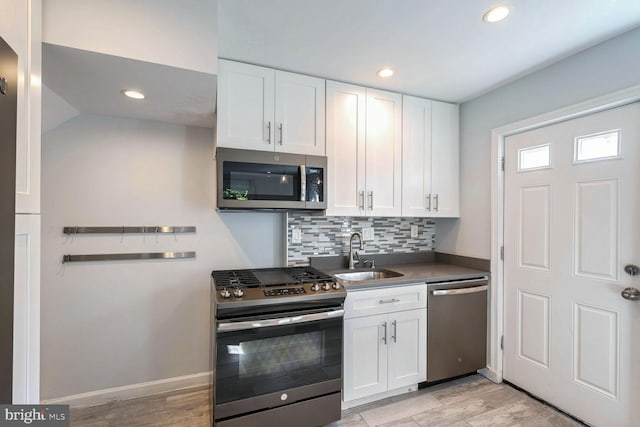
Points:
(379, 301)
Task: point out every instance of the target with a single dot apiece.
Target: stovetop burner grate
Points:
(307, 274)
(268, 277)
(234, 278)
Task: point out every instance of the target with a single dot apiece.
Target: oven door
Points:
(264, 363)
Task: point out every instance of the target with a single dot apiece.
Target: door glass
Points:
(595, 147)
(256, 181)
(266, 360)
(531, 158)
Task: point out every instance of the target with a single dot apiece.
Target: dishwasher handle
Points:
(459, 291)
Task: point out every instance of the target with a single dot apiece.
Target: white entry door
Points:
(572, 224)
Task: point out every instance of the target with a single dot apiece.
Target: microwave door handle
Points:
(303, 183)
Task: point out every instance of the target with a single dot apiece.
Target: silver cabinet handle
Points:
(384, 337)
(370, 200)
(303, 183)
(269, 132)
(395, 330)
(429, 202)
(361, 200)
(460, 291)
(435, 202)
(280, 127)
(282, 321)
(387, 301)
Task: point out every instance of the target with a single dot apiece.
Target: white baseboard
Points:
(379, 396)
(132, 391)
(491, 375)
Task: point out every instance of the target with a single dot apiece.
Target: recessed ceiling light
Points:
(496, 14)
(385, 72)
(132, 93)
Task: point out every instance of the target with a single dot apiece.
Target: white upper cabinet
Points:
(363, 150)
(346, 106)
(445, 154)
(430, 153)
(299, 114)
(21, 28)
(245, 106)
(264, 109)
(383, 166)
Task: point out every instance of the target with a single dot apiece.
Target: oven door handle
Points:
(281, 321)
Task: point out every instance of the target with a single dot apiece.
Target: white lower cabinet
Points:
(26, 317)
(365, 357)
(387, 352)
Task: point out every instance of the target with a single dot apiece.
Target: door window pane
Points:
(596, 147)
(537, 157)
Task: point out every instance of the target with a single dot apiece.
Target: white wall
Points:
(181, 33)
(109, 324)
(610, 66)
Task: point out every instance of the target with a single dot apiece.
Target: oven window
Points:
(266, 360)
(257, 181)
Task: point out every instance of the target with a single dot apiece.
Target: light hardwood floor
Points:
(467, 402)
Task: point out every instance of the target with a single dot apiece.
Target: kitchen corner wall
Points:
(117, 323)
(322, 235)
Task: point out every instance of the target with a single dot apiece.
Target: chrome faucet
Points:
(353, 255)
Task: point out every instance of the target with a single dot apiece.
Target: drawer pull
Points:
(388, 301)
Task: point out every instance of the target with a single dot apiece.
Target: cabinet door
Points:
(299, 114)
(445, 164)
(407, 348)
(345, 148)
(383, 159)
(21, 28)
(245, 106)
(365, 356)
(416, 156)
(26, 317)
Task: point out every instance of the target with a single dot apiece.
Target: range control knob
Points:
(225, 293)
(238, 292)
(315, 287)
(336, 286)
(326, 286)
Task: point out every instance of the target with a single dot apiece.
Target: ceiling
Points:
(91, 82)
(440, 49)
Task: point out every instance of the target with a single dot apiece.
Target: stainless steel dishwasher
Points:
(456, 327)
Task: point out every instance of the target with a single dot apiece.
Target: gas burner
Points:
(234, 278)
(307, 274)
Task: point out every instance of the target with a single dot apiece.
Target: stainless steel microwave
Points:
(250, 179)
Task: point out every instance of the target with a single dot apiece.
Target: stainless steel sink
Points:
(358, 276)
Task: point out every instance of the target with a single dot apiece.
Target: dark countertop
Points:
(425, 270)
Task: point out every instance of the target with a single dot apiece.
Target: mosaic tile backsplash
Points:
(322, 235)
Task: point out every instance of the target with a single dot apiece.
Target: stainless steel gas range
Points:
(277, 347)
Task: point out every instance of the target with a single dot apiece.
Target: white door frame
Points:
(494, 368)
